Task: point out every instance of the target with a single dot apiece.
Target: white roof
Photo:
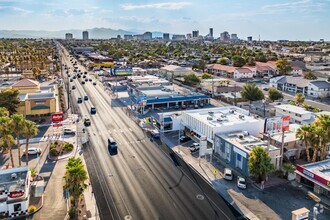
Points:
(175, 68)
(293, 108)
(222, 116)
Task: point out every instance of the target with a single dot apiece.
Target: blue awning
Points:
(167, 119)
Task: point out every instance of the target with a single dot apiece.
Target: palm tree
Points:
(18, 123)
(6, 138)
(30, 130)
(299, 98)
(75, 177)
(324, 122)
(304, 133)
(317, 140)
(251, 92)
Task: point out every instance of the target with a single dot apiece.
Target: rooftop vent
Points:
(231, 111)
(13, 176)
(211, 113)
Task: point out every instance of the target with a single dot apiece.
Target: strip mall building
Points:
(316, 175)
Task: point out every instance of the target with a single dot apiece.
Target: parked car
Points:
(183, 106)
(196, 106)
(79, 100)
(68, 131)
(241, 183)
(32, 151)
(201, 105)
(228, 174)
(184, 139)
(194, 147)
(87, 122)
(86, 80)
(85, 97)
(176, 106)
(265, 89)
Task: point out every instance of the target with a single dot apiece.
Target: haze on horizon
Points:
(271, 19)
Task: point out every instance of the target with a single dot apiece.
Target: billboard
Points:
(57, 117)
(277, 124)
(285, 123)
(122, 71)
(273, 125)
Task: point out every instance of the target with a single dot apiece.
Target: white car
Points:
(241, 183)
(32, 151)
(69, 131)
(194, 147)
(228, 174)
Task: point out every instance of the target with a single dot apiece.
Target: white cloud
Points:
(164, 5)
(294, 6)
(13, 10)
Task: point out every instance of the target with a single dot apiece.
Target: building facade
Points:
(14, 191)
(298, 115)
(68, 36)
(85, 35)
(234, 149)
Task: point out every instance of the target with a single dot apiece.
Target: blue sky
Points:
(272, 19)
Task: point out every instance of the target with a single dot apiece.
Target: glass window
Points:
(17, 207)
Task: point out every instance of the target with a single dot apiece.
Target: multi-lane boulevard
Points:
(143, 179)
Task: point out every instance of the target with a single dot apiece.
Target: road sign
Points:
(215, 172)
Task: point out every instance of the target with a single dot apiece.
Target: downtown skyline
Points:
(272, 20)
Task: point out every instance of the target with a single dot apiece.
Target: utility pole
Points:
(282, 147)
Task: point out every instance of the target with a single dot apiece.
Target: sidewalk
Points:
(251, 208)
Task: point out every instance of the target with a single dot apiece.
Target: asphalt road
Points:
(142, 180)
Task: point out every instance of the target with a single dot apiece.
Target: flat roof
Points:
(321, 168)
(293, 108)
(222, 116)
(244, 141)
(13, 179)
(40, 95)
(156, 92)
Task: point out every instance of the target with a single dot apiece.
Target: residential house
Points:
(243, 73)
(221, 70)
(312, 88)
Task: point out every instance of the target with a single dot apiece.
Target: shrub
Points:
(32, 208)
(68, 147)
(54, 152)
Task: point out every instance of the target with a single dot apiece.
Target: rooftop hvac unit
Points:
(211, 113)
(209, 118)
(241, 116)
(231, 111)
(219, 120)
(245, 133)
(241, 136)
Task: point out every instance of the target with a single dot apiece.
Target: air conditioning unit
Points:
(245, 133)
(211, 113)
(241, 116)
(241, 136)
(219, 120)
(231, 111)
(209, 118)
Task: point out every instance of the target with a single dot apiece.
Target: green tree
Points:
(323, 121)
(30, 130)
(75, 177)
(288, 168)
(299, 98)
(9, 99)
(283, 66)
(259, 163)
(206, 76)
(191, 79)
(223, 61)
(3, 112)
(274, 94)
(6, 139)
(251, 92)
(17, 125)
(304, 134)
(238, 61)
(310, 76)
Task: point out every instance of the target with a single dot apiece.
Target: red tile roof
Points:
(25, 83)
(243, 70)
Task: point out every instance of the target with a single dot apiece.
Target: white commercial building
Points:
(14, 191)
(297, 114)
(210, 121)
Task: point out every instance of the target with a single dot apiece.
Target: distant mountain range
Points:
(95, 33)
